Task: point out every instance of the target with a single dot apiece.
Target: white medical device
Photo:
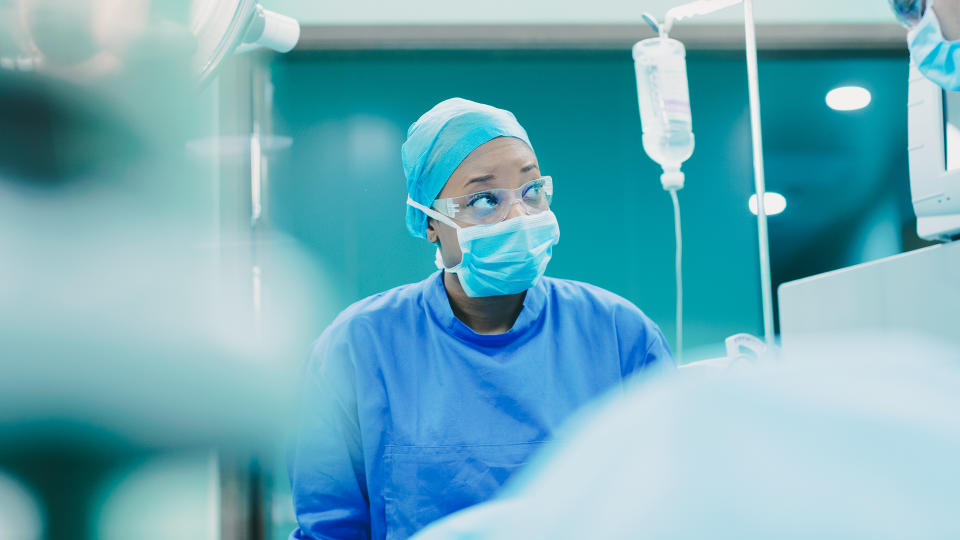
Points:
(933, 147)
(223, 27)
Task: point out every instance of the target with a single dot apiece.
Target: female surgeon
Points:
(424, 399)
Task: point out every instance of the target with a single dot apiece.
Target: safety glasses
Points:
(908, 12)
(492, 205)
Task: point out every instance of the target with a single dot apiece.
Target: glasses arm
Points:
(433, 213)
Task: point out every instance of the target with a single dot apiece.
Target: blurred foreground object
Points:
(149, 335)
(94, 39)
(133, 298)
(848, 437)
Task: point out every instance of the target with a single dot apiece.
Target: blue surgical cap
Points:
(442, 138)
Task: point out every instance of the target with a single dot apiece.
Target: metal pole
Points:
(754, 90)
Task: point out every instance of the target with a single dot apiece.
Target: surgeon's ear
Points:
(432, 236)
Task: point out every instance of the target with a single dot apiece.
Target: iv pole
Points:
(702, 7)
(766, 284)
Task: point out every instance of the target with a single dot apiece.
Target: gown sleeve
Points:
(326, 464)
(642, 345)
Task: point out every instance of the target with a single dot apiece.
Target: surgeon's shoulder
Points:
(595, 301)
(598, 306)
(641, 340)
(384, 305)
(367, 318)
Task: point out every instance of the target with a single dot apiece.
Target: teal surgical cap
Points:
(442, 138)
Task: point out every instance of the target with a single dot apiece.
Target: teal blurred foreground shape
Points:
(844, 438)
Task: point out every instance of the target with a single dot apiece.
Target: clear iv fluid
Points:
(661, 70)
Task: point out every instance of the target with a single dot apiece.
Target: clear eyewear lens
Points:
(493, 205)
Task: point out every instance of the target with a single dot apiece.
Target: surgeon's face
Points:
(504, 162)
(948, 14)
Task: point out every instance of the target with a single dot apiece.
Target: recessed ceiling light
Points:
(848, 98)
(773, 203)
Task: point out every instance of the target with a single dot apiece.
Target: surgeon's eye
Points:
(534, 190)
(483, 201)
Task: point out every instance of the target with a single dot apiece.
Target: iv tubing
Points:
(679, 268)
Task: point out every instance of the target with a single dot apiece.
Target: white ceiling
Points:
(368, 12)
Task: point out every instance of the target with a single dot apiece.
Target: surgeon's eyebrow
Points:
(479, 179)
(488, 177)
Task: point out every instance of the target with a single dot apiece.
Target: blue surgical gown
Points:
(409, 415)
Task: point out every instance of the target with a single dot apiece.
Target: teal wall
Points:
(340, 188)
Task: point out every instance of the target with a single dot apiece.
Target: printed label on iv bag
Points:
(675, 102)
(664, 101)
(662, 84)
(667, 95)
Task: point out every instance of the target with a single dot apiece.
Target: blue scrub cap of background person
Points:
(908, 12)
(440, 140)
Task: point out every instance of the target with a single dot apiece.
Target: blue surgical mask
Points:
(937, 58)
(504, 258)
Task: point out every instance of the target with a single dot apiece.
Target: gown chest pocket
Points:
(426, 483)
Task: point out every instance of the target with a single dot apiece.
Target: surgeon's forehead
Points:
(504, 162)
(502, 155)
